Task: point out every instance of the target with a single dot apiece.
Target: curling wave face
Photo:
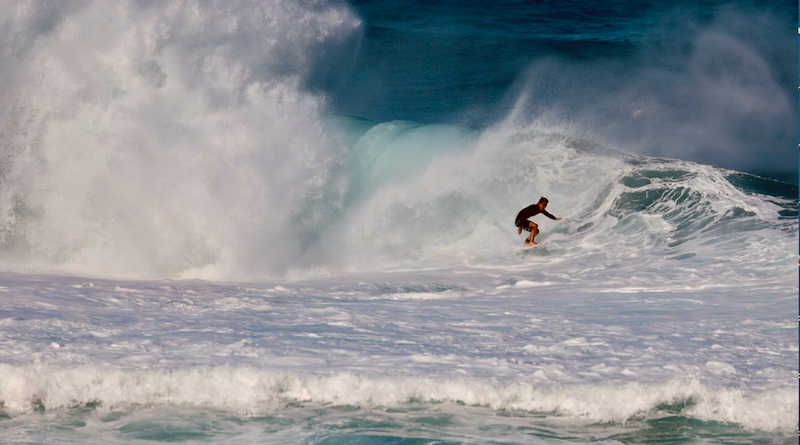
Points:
(457, 198)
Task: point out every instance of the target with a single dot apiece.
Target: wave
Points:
(457, 199)
(182, 141)
(255, 391)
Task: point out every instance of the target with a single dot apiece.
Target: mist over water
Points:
(720, 104)
(712, 82)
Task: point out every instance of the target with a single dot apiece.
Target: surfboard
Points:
(534, 250)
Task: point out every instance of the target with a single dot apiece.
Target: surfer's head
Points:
(543, 202)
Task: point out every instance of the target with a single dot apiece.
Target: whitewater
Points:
(197, 246)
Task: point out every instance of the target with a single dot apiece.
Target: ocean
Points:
(292, 222)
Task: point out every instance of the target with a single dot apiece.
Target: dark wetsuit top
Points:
(528, 212)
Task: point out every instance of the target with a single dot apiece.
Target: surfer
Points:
(522, 222)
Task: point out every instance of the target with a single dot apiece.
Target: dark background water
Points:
(708, 81)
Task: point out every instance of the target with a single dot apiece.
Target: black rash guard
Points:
(528, 212)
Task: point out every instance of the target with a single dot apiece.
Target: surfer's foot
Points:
(519, 230)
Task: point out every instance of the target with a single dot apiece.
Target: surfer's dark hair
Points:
(543, 200)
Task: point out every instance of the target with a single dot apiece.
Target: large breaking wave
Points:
(176, 140)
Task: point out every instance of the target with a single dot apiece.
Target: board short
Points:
(524, 224)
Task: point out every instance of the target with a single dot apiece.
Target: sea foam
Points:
(253, 391)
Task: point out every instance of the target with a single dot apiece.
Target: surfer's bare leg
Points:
(534, 231)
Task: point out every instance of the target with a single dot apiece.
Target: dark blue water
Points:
(707, 81)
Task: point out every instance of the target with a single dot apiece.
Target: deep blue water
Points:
(709, 81)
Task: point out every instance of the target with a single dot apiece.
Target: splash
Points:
(162, 139)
